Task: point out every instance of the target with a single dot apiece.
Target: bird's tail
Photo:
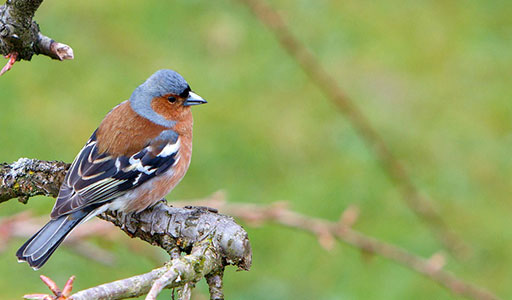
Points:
(41, 246)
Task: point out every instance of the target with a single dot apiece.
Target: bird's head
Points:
(164, 98)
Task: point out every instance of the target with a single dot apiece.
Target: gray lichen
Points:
(210, 240)
(29, 177)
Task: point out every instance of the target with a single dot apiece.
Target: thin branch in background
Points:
(164, 226)
(414, 199)
(327, 231)
(23, 225)
(20, 37)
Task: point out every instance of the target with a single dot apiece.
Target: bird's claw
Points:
(12, 59)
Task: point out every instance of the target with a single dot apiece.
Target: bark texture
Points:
(20, 34)
(210, 240)
(30, 177)
(179, 272)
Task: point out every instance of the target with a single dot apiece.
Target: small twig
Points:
(215, 285)
(184, 292)
(68, 287)
(431, 268)
(168, 277)
(53, 49)
(12, 59)
(279, 213)
(57, 293)
(187, 269)
(414, 199)
(134, 286)
(184, 271)
(20, 37)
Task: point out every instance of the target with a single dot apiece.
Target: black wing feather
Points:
(99, 177)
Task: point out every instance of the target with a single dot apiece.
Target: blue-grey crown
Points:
(162, 82)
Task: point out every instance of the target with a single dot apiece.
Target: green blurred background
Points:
(434, 77)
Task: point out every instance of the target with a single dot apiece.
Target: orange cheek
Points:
(162, 106)
(171, 111)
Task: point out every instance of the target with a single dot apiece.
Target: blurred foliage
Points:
(433, 76)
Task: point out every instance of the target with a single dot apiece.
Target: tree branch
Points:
(173, 228)
(30, 177)
(214, 281)
(188, 269)
(210, 230)
(415, 200)
(212, 240)
(20, 37)
(327, 231)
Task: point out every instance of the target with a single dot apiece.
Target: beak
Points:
(194, 99)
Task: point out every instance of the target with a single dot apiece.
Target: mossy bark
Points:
(210, 240)
(18, 32)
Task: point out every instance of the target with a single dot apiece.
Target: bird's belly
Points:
(144, 196)
(149, 192)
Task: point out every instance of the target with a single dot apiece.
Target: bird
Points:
(137, 155)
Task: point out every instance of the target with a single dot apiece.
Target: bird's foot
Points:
(12, 59)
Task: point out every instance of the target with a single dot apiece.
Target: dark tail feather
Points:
(41, 246)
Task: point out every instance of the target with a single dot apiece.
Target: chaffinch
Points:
(138, 154)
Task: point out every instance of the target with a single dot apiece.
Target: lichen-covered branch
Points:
(210, 252)
(214, 281)
(30, 177)
(188, 229)
(211, 240)
(182, 271)
(20, 37)
(181, 228)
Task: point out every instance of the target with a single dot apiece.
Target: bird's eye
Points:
(171, 99)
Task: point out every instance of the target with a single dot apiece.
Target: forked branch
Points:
(211, 240)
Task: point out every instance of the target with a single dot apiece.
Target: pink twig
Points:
(12, 59)
(58, 294)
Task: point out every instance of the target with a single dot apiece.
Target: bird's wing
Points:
(95, 177)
